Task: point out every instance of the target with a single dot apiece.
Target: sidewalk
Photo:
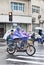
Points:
(3, 43)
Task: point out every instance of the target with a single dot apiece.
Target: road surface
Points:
(21, 58)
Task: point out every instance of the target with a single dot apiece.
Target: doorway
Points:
(1, 32)
(2, 29)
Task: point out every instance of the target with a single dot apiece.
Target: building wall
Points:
(29, 28)
(30, 8)
(42, 11)
(35, 3)
(6, 7)
(39, 3)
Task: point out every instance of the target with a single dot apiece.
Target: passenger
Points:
(10, 37)
(33, 37)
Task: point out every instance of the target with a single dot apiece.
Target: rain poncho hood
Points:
(18, 33)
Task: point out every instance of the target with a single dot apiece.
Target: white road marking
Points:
(37, 58)
(39, 52)
(34, 60)
(39, 55)
(25, 61)
(36, 54)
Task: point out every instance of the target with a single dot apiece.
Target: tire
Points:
(32, 51)
(10, 51)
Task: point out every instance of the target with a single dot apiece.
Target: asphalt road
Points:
(21, 58)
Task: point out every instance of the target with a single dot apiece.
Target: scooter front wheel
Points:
(30, 50)
(10, 50)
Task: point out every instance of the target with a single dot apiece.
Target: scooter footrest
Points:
(21, 50)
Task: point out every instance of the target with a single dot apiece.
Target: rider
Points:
(33, 37)
(10, 37)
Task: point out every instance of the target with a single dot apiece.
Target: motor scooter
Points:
(20, 45)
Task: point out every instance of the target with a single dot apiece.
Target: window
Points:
(17, 6)
(35, 9)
